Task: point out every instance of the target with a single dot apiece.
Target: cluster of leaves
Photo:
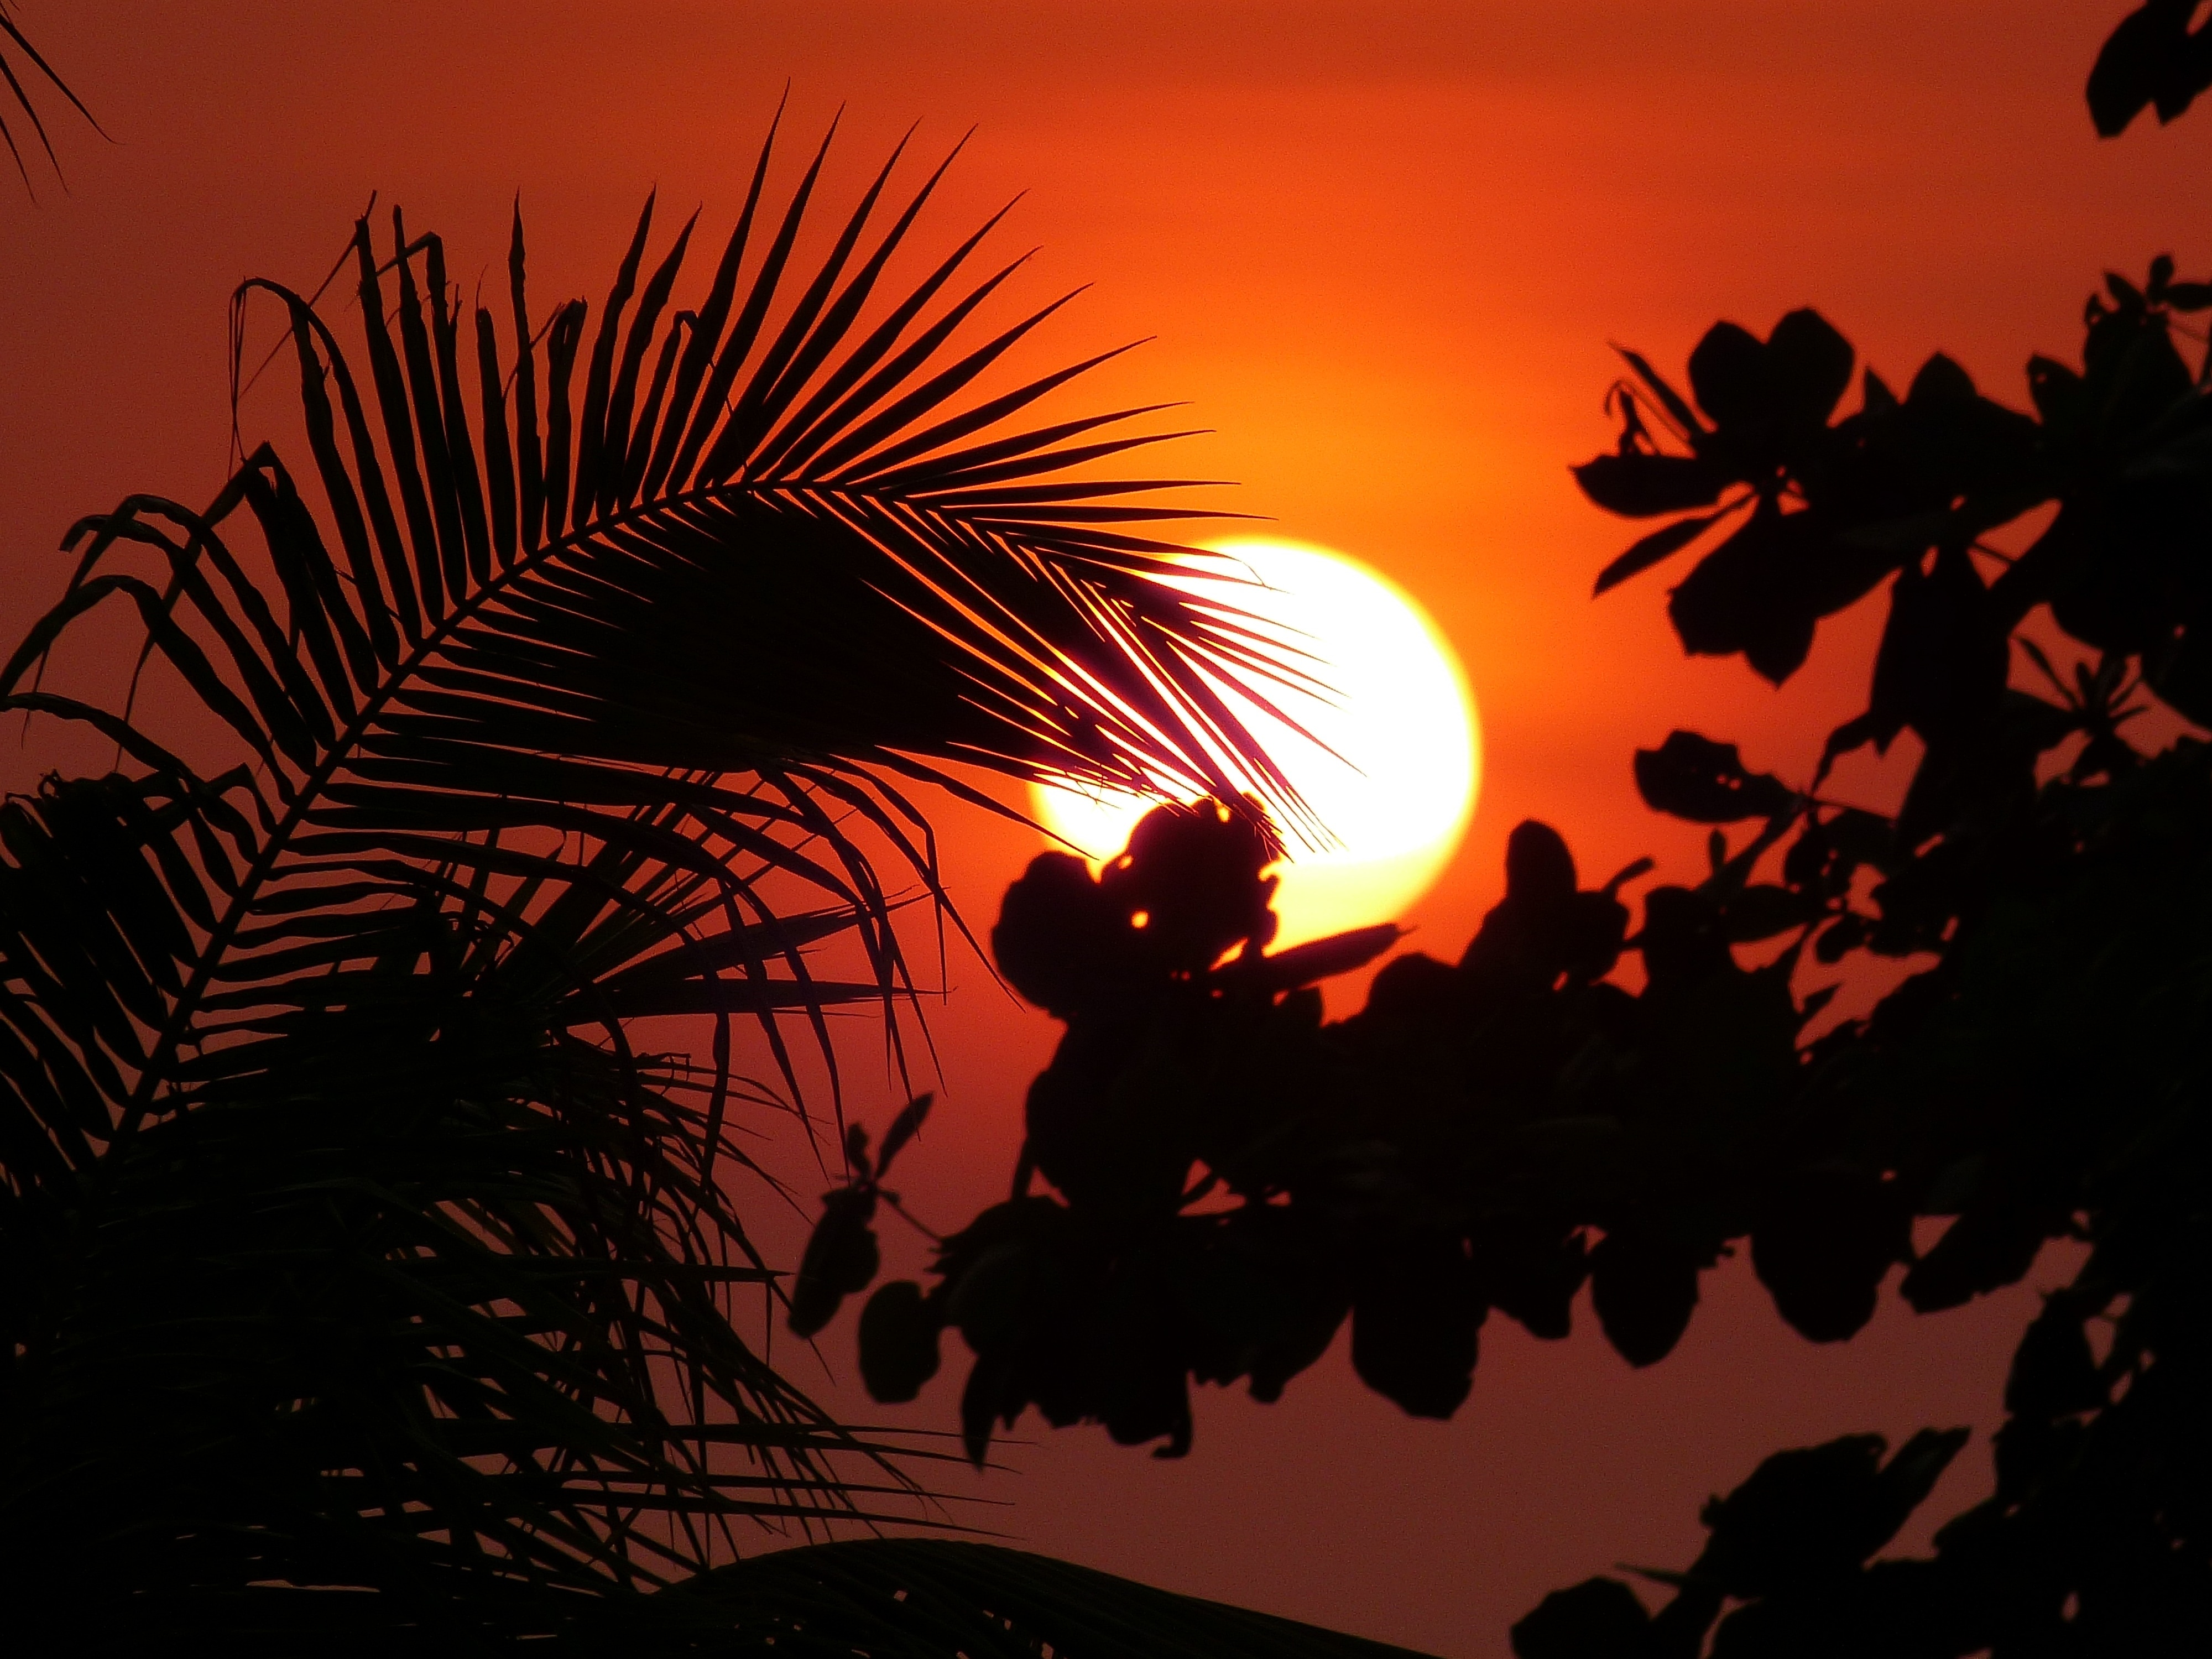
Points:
(842, 1255)
(2160, 57)
(1098, 1306)
(347, 1238)
(1793, 1547)
(1231, 1176)
(1824, 510)
(358, 1276)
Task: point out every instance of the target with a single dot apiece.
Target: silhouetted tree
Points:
(361, 1279)
(1231, 1177)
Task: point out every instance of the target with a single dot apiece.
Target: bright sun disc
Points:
(1398, 711)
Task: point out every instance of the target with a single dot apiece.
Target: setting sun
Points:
(1393, 760)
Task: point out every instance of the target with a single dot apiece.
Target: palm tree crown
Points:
(350, 1238)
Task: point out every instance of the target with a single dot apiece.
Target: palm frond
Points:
(343, 1220)
(863, 1599)
(34, 68)
(940, 1598)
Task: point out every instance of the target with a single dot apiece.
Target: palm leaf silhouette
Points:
(350, 1236)
(944, 1598)
(32, 68)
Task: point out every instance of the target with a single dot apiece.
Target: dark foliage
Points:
(362, 1283)
(1791, 1548)
(936, 1599)
(907, 1598)
(1232, 1178)
(2160, 57)
(362, 1279)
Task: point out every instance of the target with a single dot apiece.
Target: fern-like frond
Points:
(350, 1238)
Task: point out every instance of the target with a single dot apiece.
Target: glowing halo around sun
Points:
(1397, 710)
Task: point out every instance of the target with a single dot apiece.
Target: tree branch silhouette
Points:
(1229, 1179)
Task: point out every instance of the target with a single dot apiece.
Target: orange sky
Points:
(1384, 248)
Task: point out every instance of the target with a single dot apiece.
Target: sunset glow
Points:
(1390, 759)
(1379, 259)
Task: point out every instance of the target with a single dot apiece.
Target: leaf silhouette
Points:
(35, 69)
(581, 678)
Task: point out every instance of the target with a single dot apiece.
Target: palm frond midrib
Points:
(359, 674)
(300, 798)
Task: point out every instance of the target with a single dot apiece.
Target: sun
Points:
(1398, 790)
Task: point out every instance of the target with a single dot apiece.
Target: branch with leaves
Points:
(359, 1273)
(1230, 1179)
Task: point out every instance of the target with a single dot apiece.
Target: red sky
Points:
(1382, 248)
